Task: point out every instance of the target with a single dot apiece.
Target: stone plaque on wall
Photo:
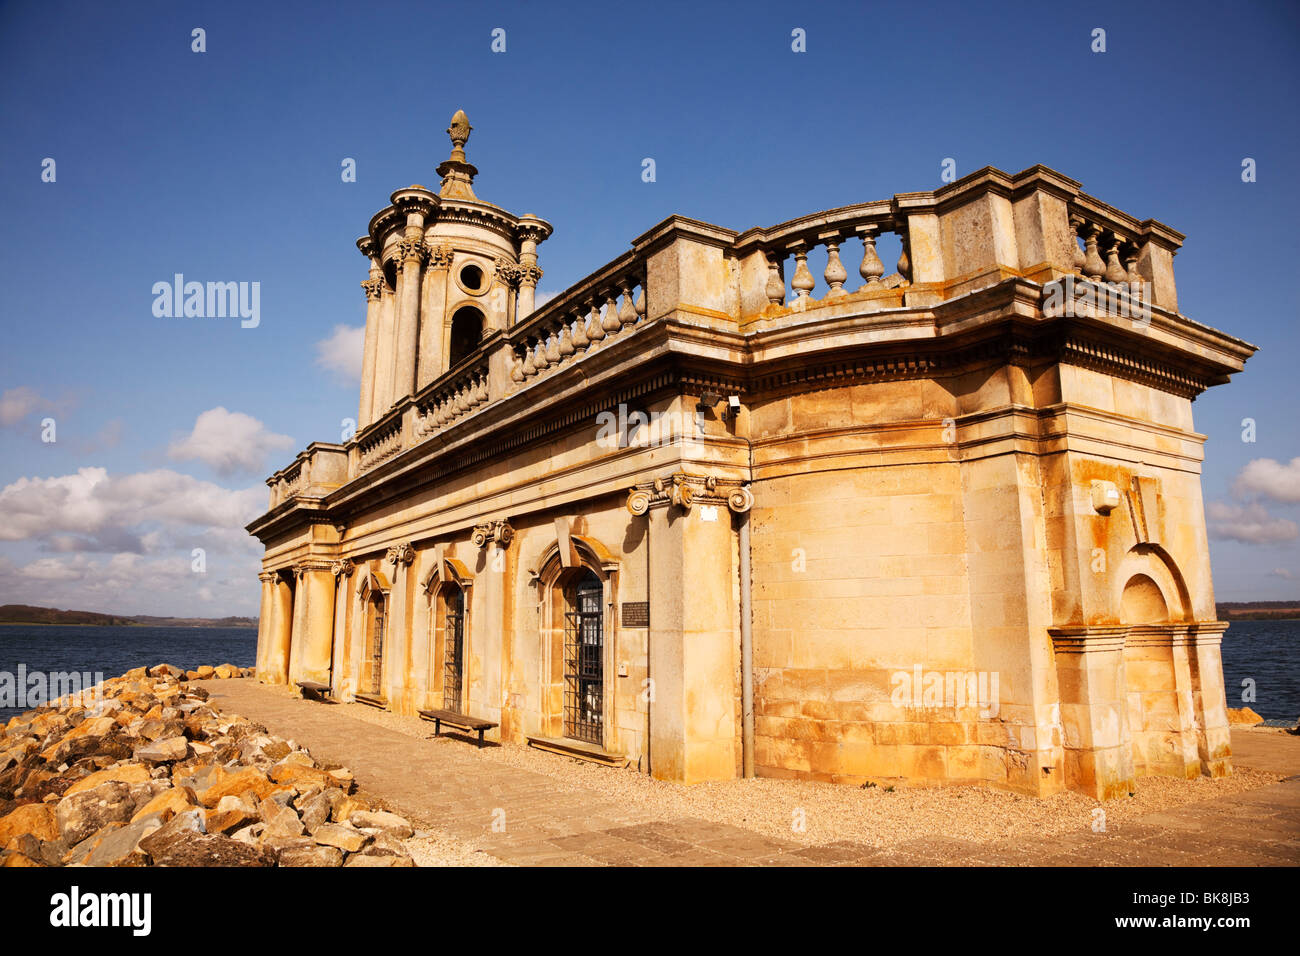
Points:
(636, 614)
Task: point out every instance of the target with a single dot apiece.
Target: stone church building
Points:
(707, 512)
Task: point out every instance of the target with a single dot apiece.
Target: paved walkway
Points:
(548, 823)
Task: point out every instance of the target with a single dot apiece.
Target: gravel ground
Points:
(833, 812)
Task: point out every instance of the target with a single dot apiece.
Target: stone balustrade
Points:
(319, 469)
(380, 442)
(455, 395)
(579, 321)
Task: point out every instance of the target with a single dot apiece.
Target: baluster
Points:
(626, 313)
(775, 288)
(595, 331)
(835, 273)
(1079, 260)
(516, 367)
(566, 341)
(552, 349)
(639, 304)
(803, 282)
(610, 322)
(1093, 267)
(541, 360)
(1131, 274)
(1114, 271)
(872, 268)
(530, 366)
(904, 259)
(580, 340)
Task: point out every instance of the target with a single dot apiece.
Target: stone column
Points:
(530, 231)
(432, 315)
(412, 252)
(313, 624)
(264, 622)
(339, 689)
(694, 636)
(385, 346)
(374, 288)
(281, 632)
(397, 637)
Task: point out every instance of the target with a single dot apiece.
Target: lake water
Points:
(114, 650)
(1267, 652)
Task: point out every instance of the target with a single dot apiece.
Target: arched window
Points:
(377, 607)
(466, 330)
(584, 652)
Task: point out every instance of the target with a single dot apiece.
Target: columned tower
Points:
(445, 270)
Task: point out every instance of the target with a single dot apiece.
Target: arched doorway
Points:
(584, 652)
(466, 330)
(453, 654)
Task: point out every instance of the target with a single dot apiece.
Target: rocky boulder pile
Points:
(148, 774)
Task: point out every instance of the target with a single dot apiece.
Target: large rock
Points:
(366, 859)
(349, 805)
(210, 849)
(346, 838)
(1244, 716)
(281, 821)
(166, 750)
(300, 777)
(316, 809)
(246, 779)
(79, 815)
(227, 671)
(34, 818)
(123, 773)
(382, 820)
(167, 804)
(314, 855)
(121, 847)
(230, 813)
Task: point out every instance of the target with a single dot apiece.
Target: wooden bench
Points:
(459, 721)
(314, 690)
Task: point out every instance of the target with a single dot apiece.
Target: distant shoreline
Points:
(194, 627)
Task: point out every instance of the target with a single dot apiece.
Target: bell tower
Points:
(446, 270)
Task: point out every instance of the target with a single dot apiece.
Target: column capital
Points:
(683, 491)
(401, 555)
(374, 288)
(489, 531)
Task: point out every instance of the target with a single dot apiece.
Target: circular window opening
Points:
(471, 278)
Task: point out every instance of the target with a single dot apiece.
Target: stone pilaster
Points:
(694, 638)
(1094, 709)
(264, 621)
(340, 685)
(281, 632)
(397, 637)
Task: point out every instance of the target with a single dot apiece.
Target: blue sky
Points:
(225, 165)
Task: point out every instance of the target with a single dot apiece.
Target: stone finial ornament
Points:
(459, 131)
(457, 174)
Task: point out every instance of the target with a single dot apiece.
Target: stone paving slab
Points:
(549, 823)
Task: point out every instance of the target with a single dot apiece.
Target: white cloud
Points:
(135, 513)
(1251, 523)
(229, 442)
(1284, 573)
(542, 297)
(17, 403)
(1271, 479)
(341, 353)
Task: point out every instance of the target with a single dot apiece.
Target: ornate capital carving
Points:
(342, 568)
(400, 555)
(508, 272)
(440, 257)
(499, 531)
(683, 491)
(412, 250)
(530, 275)
(374, 288)
(266, 577)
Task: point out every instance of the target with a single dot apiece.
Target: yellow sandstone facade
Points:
(705, 512)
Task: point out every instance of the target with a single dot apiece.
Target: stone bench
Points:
(459, 721)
